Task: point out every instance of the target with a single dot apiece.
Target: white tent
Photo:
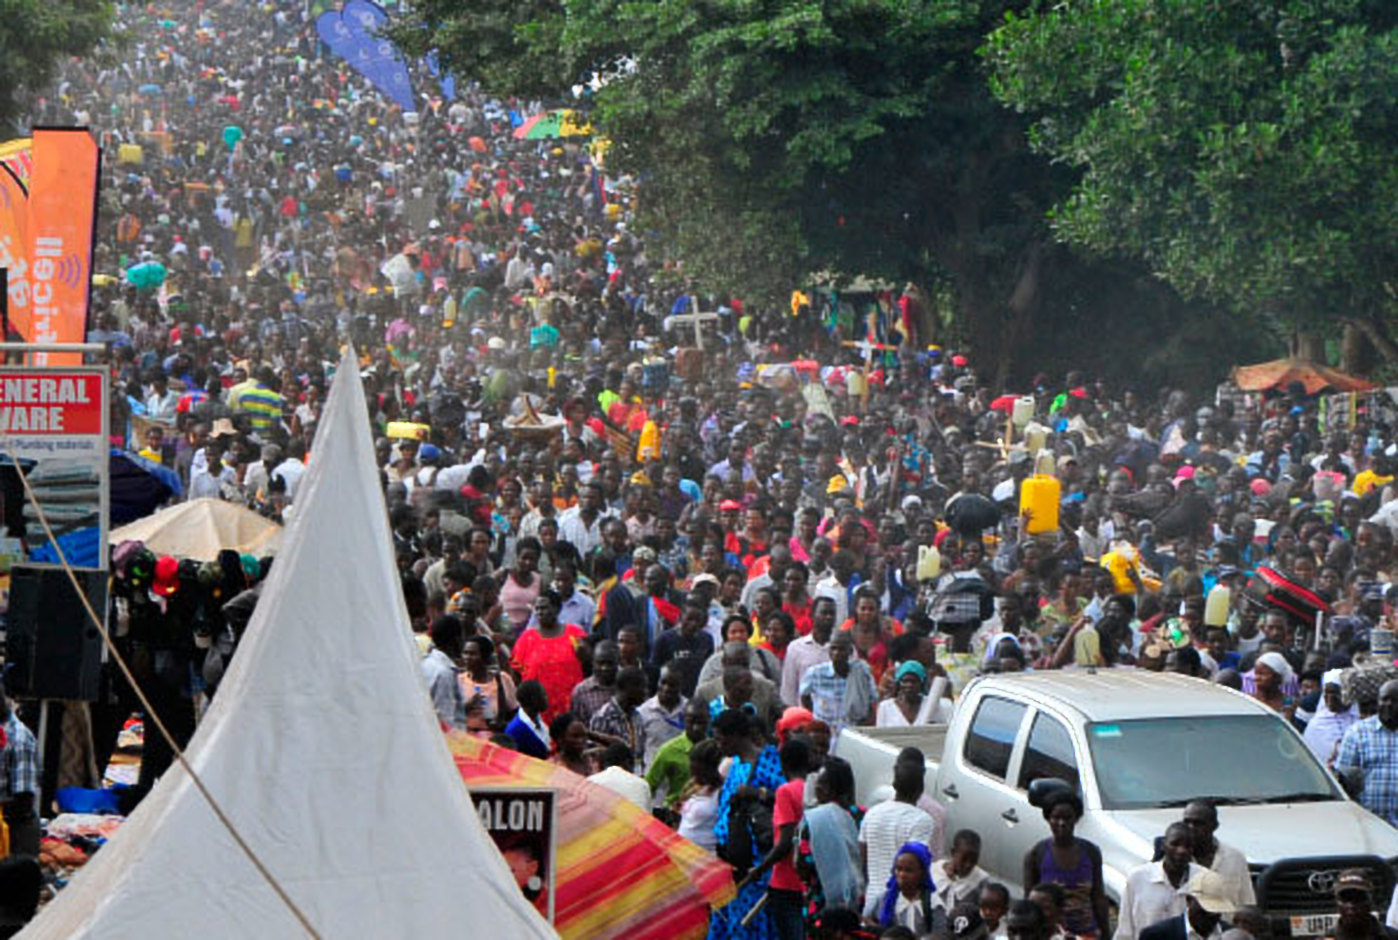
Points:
(323, 749)
(201, 528)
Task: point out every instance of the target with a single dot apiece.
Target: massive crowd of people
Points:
(677, 543)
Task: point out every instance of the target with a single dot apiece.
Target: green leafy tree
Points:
(35, 36)
(1240, 149)
(779, 138)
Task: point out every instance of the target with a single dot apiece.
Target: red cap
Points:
(167, 576)
(959, 361)
(730, 505)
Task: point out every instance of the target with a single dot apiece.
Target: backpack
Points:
(750, 835)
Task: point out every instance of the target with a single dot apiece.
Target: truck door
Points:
(1048, 752)
(982, 796)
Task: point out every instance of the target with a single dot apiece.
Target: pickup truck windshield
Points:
(1156, 762)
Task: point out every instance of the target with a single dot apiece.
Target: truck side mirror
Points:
(1352, 780)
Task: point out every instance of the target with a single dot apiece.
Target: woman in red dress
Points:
(552, 653)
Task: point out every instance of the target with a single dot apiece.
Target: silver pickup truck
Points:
(1138, 746)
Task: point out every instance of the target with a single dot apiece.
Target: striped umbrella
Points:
(621, 872)
(562, 122)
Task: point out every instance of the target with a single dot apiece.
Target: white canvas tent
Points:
(201, 528)
(323, 748)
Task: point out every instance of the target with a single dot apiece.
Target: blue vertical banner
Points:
(351, 34)
(446, 80)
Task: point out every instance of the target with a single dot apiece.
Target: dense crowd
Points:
(677, 543)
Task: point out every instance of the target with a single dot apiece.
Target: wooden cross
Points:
(697, 318)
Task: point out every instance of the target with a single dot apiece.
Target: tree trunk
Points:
(1380, 339)
(1356, 352)
(1309, 345)
(1023, 303)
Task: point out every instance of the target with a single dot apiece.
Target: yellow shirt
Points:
(1366, 480)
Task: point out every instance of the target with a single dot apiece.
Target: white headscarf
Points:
(1277, 663)
(1324, 731)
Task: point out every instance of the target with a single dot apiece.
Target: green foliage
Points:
(1241, 149)
(35, 36)
(777, 138)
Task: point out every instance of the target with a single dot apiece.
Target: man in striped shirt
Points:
(259, 400)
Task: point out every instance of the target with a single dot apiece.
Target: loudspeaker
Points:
(52, 649)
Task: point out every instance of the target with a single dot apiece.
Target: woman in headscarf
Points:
(1272, 672)
(1332, 718)
(906, 899)
(911, 705)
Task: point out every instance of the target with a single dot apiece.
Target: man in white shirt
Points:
(211, 479)
(808, 651)
(837, 585)
(1231, 865)
(892, 824)
(259, 472)
(582, 524)
(290, 470)
(615, 777)
(161, 402)
(440, 674)
(1159, 890)
(662, 715)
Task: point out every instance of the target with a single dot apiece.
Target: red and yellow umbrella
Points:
(621, 872)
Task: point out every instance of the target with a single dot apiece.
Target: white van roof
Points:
(1124, 694)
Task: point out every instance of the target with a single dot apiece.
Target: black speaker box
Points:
(52, 648)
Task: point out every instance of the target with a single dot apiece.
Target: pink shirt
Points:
(518, 602)
(790, 797)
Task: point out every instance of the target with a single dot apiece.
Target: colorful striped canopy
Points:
(621, 872)
(563, 122)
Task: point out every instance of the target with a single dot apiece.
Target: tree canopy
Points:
(783, 137)
(35, 35)
(1241, 149)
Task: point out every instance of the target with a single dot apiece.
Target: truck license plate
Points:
(1313, 925)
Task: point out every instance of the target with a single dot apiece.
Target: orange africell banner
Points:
(14, 251)
(62, 217)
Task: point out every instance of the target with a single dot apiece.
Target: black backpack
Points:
(750, 835)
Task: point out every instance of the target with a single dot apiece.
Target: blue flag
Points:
(350, 34)
(446, 81)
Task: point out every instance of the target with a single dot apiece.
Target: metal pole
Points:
(53, 347)
(43, 738)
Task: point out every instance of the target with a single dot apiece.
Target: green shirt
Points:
(670, 769)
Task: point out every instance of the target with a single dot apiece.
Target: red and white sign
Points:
(51, 402)
(53, 423)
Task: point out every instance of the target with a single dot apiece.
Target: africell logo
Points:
(51, 264)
